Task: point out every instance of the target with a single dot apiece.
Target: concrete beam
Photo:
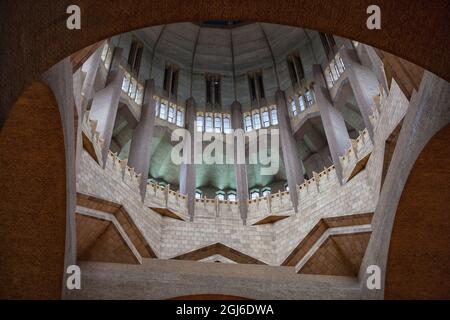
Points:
(363, 81)
(291, 158)
(333, 121)
(106, 101)
(187, 171)
(240, 169)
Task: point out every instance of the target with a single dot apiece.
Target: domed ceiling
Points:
(231, 50)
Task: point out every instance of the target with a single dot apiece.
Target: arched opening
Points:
(41, 241)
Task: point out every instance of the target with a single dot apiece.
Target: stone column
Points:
(106, 101)
(364, 83)
(187, 171)
(90, 67)
(333, 121)
(376, 64)
(237, 122)
(140, 148)
(83, 93)
(292, 163)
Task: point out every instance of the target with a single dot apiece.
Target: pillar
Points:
(83, 93)
(363, 81)
(333, 121)
(106, 101)
(237, 122)
(187, 171)
(90, 67)
(292, 163)
(140, 148)
(376, 65)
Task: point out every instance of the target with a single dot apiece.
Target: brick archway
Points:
(33, 198)
(36, 271)
(419, 252)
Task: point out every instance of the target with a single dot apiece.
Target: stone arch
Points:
(35, 251)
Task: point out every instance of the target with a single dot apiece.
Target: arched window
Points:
(339, 64)
(226, 124)
(309, 98)
(180, 117)
(171, 114)
(126, 82)
(231, 196)
(266, 191)
(274, 116)
(286, 187)
(156, 106)
(265, 118)
(293, 107)
(220, 195)
(301, 103)
(199, 122)
(218, 123)
(163, 110)
(208, 124)
(198, 194)
(139, 94)
(256, 120)
(248, 123)
(133, 89)
(254, 194)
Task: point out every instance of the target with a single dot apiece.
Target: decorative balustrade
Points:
(162, 197)
(378, 101)
(120, 171)
(272, 206)
(360, 149)
(89, 128)
(320, 182)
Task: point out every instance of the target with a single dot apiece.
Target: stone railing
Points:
(273, 205)
(89, 128)
(119, 168)
(121, 171)
(310, 189)
(214, 208)
(378, 101)
(162, 197)
(360, 148)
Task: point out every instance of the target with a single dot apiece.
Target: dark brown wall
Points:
(33, 198)
(419, 252)
(34, 35)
